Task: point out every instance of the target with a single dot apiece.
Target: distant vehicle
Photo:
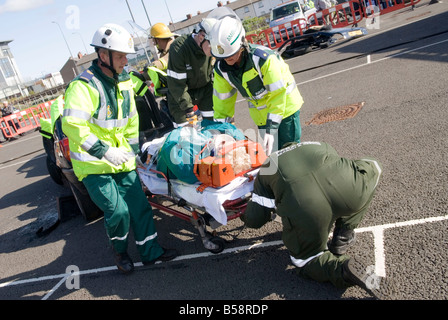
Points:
(287, 12)
(318, 37)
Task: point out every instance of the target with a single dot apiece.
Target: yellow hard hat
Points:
(161, 31)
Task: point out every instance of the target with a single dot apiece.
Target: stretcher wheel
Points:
(219, 242)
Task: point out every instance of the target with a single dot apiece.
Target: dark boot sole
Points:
(379, 287)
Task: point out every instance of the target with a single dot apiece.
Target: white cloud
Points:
(22, 5)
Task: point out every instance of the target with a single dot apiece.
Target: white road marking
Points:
(378, 231)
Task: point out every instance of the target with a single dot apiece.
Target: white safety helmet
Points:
(222, 12)
(113, 37)
(226, 37)
(206, 25)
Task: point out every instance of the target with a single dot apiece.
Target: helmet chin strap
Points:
(111, 66)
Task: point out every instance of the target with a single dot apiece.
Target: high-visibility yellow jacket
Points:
(264, 79)
(47, 125)
(100, 112)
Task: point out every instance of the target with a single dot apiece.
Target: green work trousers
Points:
(120, 196)
(350, 186)
(288, 131)
(202, 97)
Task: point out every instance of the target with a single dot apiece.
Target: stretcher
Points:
(212, 207)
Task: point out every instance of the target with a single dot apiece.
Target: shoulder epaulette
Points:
(86, 76)
(261, 53)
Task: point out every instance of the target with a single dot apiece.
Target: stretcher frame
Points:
(197, 215)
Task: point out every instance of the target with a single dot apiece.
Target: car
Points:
(284, 14)
(318, 37)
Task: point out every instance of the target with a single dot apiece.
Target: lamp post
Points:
(129, 8)
(169, 12)
(85, 48)
(144, 7)
(71, 55)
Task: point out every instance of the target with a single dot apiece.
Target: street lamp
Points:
(144, 7)
(71, 55)
(130, 11)
(82, 41)
(169, 12)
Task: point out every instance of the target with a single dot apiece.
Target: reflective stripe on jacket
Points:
(264, 79)
(188, 69)
(100, 112)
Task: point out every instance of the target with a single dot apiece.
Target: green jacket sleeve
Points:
(261, 206)
(177, 80)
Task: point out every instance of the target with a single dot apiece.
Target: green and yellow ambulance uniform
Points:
(99, 113)
(264, 79)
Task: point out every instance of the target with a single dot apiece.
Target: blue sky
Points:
(38, 45)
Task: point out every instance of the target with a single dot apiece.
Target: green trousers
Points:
(351, 196)
(202, 97)
(288, 131)
(120, 196)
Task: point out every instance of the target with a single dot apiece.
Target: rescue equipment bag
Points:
(234, 159)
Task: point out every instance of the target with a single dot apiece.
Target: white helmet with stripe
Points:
(226, 37)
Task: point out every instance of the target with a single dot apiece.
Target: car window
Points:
(285, 10)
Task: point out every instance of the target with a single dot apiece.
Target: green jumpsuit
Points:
(311, 187)
(189, 77)
(100, 112)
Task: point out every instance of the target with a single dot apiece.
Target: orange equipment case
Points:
(213, 171)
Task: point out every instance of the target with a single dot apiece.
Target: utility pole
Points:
(129, 8)
(71, 55)
(85, 48)
(144, 7)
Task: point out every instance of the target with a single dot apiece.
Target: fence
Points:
(26, 120)
(345, 14)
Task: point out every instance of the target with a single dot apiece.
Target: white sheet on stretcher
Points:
(211, 199)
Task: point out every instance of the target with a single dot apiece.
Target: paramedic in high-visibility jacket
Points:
(262, 77)
(312, 189)
(101, 121)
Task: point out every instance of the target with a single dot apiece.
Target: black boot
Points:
(342, 240)
(356, 273)
(168, 254)
(124, 262)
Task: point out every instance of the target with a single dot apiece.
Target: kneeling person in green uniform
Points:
(312, 188)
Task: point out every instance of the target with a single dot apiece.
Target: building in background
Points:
(10, 79)
(243, 8)
(12, 87)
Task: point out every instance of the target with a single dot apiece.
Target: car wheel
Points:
(55, 172)
(88, 208)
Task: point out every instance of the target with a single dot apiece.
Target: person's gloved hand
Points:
(116, 156)
(139, 161)
(268, 143)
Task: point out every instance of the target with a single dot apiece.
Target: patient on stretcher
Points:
(213, 155)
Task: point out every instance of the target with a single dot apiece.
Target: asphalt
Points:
(399, 71)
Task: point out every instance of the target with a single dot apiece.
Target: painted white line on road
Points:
(378, 238)
(377, 231)
(369, 62)
(372, 62)
(380, 257)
